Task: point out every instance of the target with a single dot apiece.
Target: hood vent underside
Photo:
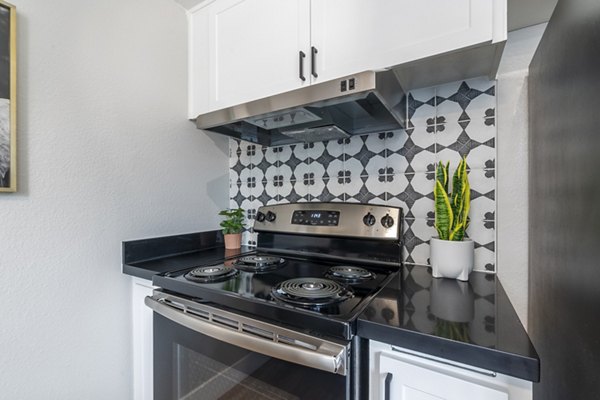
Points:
(324, 111)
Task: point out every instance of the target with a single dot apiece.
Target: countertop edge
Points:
(510, 364)
(138, 272)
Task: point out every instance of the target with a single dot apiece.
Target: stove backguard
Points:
(348, 220)
(336, 231)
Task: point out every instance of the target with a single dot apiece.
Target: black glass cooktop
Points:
(263, 293)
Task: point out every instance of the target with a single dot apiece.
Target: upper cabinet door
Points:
(356, 35)
(254, 49)
(244, 50)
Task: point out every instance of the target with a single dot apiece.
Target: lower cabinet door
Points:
(405, 379)
(142, 340)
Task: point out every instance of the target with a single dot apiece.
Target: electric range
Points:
(278, 322)
(317, 266)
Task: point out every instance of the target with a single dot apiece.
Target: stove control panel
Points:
(331, 219)
(316, 217)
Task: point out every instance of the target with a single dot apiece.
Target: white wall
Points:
(106, 154)
(512, 145)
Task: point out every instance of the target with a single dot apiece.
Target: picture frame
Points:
(8, 97)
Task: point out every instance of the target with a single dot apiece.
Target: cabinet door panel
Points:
(142, 340)
(357, 35)
(198, 63)
(420, 382)
(254, 48)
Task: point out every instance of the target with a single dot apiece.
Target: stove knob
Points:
(387, 221)
(260, 217)
(369, 219)
(271, 216)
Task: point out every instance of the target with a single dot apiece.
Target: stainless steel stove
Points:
(294, 299)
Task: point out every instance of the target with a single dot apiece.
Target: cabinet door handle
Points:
(386, 389)
(301, 56)
(313, 61)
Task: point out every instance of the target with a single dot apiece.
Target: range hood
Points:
(363, 103)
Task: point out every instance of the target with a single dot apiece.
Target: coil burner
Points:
(259, 263)
(311, 292)
(211, 274)
(349, 274)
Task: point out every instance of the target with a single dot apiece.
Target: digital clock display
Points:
(316, 218)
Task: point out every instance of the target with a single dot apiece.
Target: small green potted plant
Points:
(232, 225)
(451, 254)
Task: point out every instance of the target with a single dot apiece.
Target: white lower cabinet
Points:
(401, 374)
(142, 340)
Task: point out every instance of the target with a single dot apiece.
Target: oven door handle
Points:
(322, 354)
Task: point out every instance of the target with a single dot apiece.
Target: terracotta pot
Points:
(233, 240)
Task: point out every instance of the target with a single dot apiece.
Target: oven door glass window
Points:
(191, 366)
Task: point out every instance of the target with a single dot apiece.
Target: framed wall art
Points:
(8, 97)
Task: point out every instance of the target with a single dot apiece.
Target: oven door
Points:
(202, 352)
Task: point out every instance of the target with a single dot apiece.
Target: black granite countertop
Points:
(469, 322)
(145, 258)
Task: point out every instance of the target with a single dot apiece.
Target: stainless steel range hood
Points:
(363, 103)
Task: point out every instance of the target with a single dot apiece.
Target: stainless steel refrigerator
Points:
(564, 196)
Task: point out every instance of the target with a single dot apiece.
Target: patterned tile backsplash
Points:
(395, 168)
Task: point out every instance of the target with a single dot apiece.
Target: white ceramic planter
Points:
(451, 259)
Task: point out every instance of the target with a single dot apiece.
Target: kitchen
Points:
(107, 154)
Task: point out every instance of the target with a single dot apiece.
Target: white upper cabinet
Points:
(246, 49)
(243, 50)
(356, 35)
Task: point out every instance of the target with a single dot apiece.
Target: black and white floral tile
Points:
(396, 168)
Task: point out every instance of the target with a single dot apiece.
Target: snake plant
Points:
(452, 208)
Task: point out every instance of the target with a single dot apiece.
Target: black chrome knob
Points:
(387, 221)
(271, 216)
(260, 217)
(369, 219)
